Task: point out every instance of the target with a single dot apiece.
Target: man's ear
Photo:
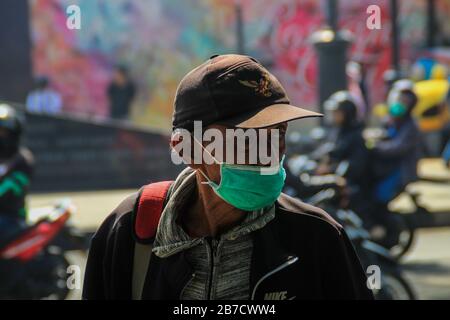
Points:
(175, 139)
(182, 145)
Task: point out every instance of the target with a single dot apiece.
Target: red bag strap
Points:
(148, 210)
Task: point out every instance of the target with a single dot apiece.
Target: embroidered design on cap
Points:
(261, 87)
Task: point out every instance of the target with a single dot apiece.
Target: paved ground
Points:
(427, 266)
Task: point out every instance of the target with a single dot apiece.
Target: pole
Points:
(331, 48)
(239, 29)
(395, 60)
(15, 57)
(332, 15)
(431, 25)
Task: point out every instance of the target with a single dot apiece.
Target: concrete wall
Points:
(86, 154)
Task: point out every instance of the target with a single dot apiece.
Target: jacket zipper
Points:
(277, 269)
(212, 254)
(211, 267)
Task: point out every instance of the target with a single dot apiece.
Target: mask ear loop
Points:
(204, 175)
(274, 146)
(212, 157)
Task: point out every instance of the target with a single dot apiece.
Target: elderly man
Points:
(223, 229)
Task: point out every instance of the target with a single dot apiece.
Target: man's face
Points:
(249, 144)
(404, 99)
(5, 143)
(257, 147)
(264, 136)
(399, 108)
(338, 118)
(119, 77)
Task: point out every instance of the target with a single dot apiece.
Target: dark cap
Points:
(233, 90)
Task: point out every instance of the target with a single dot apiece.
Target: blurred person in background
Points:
(345, 140)
(346, 144)
(394, 159)
(446, 154)
(16, 167)
(390, 77)
(358, 89)
(43, 98)
(121, 92)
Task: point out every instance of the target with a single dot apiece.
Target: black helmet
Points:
(11, 123)
(343, 101)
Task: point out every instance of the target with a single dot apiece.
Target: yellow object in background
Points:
(430, 111)
(439, 72)
(380, 110)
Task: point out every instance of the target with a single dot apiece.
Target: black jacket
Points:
(15, 177)
(349, 145)
(302, 251)
(402, 151)
(120, 98)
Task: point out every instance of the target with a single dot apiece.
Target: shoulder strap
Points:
(141, 261)
(147, 212)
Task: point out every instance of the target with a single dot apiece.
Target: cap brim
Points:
(271, 115)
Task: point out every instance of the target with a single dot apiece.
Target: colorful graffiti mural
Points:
(160, 40)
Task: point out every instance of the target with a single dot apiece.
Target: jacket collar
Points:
(268, 251)
(171, 238)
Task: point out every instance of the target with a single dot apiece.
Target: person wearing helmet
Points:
(345, 140)
(16, 165)
(394, 159)
(346, 145)
(400, 151)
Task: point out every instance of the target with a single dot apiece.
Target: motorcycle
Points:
(304, 167)
(32, 262)
(393, 285)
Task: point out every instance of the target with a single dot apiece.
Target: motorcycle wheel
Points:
(394, 287)
(57, 289)
(45, 277)
(405, 239)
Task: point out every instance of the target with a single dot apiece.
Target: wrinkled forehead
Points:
(224, 133)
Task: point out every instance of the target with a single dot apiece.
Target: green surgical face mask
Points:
(247, 187)
(397, 109)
